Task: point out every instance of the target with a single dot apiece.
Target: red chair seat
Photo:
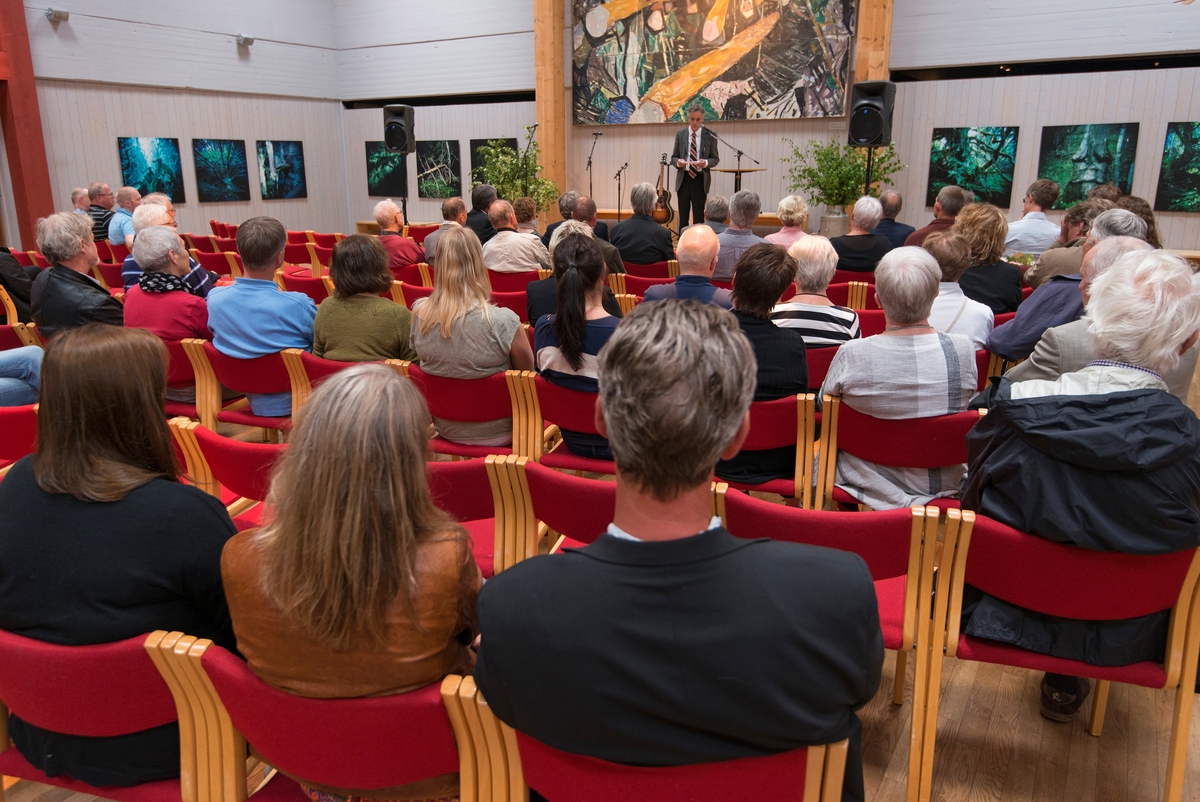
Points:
(483, 544)
(889, 594)
(281, 788)
(1146, 674)
(564, 459)
(440, 445)
(178, 409)
(14, 764)
(651, 270)
(244, 418)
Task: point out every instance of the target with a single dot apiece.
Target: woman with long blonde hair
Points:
(458, 334)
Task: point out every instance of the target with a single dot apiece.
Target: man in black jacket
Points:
(482, 196)
(668, 641)
(639, 239)
(65, 295)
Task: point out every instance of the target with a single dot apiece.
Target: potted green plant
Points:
(515, 173)
(832, 175)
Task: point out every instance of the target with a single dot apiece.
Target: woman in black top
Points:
(860, 250)
(99, 540)
(989, 279)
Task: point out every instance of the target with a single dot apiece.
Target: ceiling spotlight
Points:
(57, 15)
(244, 40)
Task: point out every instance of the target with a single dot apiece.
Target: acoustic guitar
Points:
(663, 213)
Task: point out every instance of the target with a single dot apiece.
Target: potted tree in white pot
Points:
(832, 175)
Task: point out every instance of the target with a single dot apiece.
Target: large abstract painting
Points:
(978, 159)
(151, 164)
(387, 172)
(1179, 181)
(221, 170)
(640, 61)
(439, 169)
(281, 169)
(1080, 157)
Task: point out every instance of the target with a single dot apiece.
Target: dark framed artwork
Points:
(151, 164)
(1080, 157)
(1179, 180)
(387, 172)
(439, 169)
(979, 159)
(281, 169)
(476, 144)
(222, 174)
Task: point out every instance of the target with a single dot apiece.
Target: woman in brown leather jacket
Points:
(357, 585)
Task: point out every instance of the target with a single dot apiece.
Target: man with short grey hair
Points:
(892, 202)
(80, 200)
(639, 239)
(157, 210)
(402, 251)
(454, 214)
(716, 213)
(744, 208)
(566, 207)
(616, 682)
(949, 202)
(584, 211)
(693, 155)
(511, 251)
(1065, 255)
(698, 249)
(65, 295)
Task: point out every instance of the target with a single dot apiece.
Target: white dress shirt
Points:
(974, 320)
(1033, 234)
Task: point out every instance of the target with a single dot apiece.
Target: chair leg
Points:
(1099, 705)
(898, 689)
(1180, 724)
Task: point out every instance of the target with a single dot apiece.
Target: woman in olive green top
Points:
(355, 324)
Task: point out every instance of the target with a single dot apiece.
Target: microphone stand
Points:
(737, 177)
(624, 167)
(588, 169)
(525, 161)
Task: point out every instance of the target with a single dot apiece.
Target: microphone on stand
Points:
(597, 133)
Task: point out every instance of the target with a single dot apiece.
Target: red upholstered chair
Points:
(541, 404)
(983, 364)
(463, 400)
(235, 472)
(8, 307)
(852, 295)
(419, 233)
(302, 280)
(201, 242)
(24, 260)
(819, 360)
(407, 294)
(102, 250)
(118, 251)
(637, 285)
(297, 237)
(1066, 582)
(789, 421)
(463, 489)
(652, 270)
(1026, 292)
(110, 275)
(418, 275)
(218, 228)
(307, 371)
(39, 260)
(516, 301)
(104, 690)
(789, 293)
(298, 254)
(871, 322)
(1002, 318)
(225, 244)
(325, 240)
(937, 442)
(224, 264)
(180, 374)
(845, 276)
(264, 374)
(13, 336)
(18, 434)
(511, 282)
(320, 255)
(722, 285)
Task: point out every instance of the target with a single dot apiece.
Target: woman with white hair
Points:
(1104, 458)
(793, 213)
(819, 320)
(860, 250)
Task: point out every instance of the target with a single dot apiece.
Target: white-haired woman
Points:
(860, 250)
(820, 320)
(793, 213)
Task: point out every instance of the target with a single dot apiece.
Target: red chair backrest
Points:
(297, 237)
(376, 742)
(179, 367)
(324, 240)
(18, 432)
(569, 409)
(103, 251)
(936, 442)
(652, 270)
(118, 251)
(324, 255)
(464, 399)
(97, 691)
(880, 538)
(414, 292)
(843, 276)
(516, 301)
(789, 293)
(772, 424)
(243, 468)
(296, 254)
(312, 286)
(9, 338)
(111, 274)
(214, 262)
(230, 229)
(838, 294)
(1026, 292)
(218, 229)
(318, 369)
(637, 285)
(561, 775)
(461, 489)
(1003, 317)
(871, 322)
(722, 285)
(1070, 582)
(818, 360)
(983, 360)
(409, 274)
(202, 242)
(42, 261)
(24, 261)
(573, 506)
(419, 233)
(511, 282)
(225, 244)
(262, 374)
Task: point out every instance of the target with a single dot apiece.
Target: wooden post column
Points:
(548, 86)
(22, 123)
(874, 40)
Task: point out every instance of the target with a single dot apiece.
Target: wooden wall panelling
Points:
(24, 143)
(873, 40)
(548, 46)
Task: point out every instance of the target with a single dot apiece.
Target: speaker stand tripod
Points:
(867, 180)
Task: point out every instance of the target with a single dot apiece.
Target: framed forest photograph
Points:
(222, 174)
(387, 172)
(439, 169)
(478, 144)
(979, 159)
(281, 169)
(151, 164)
(1179, 181)
(1080, 157)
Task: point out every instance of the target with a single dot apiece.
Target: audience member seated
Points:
(65, 295)
(639, 239)
(1058, 300)
(989, 280)
(615, 682)
(1064, 257)
(482, 197)
(1108, 191)
(18, 284)
(79, 200)
(100, 540)
(402, 251)
(566, 207)
(510, 251)
(744, 208)
(458, 334)
(1033, 233)
(100, 208)
(716, 214)
(1102, 458)
(358, 586)
(793, 213)
(763, 273)
(895, 233)
(1141, 208)
(526, 211)
(567, 342)
(584, 211)
(157, 210)
(860, 250)
(953, 312)
(120, 227)
(253, 317)
(541, 297)
(912, 370)
(160, 302)
(454, 215)
(819, 320)
(20, 375)
(698, 254)
(355, 324)
(949, 202)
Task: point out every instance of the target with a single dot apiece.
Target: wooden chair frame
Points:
(198, 472)
(616, 283)
(627, 302)
(208, 390)
(519, 534)
(545, 274)
(10, 309)
(856, 295)
(235, 270)
(28, 332)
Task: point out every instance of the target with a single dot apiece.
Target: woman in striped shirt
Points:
(819, 320)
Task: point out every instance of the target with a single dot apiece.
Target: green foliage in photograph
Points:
(1179, 181)
(978, 159)
(832, 174)
(387, 176)
(439, 169)
(503, 167)
(1080, 157)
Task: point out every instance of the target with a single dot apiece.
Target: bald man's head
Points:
(697, 251)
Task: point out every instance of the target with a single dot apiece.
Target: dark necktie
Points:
(692, 155)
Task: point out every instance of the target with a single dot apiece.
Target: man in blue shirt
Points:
(697, 255)
(120, 227)
(252, 317)
(895, 233)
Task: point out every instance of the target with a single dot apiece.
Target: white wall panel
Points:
(369, 23)
(499, 63)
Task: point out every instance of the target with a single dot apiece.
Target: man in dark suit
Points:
(895, 233)
(482, 196)
(668, 641)
(695, 153)
(585, 212)
(566, 207)
(639, 239)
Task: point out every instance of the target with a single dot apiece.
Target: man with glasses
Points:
(100, 208)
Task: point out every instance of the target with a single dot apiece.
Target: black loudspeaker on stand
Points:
(400, 137)
(871, 106)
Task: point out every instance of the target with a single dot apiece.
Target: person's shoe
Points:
(1060, 706)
